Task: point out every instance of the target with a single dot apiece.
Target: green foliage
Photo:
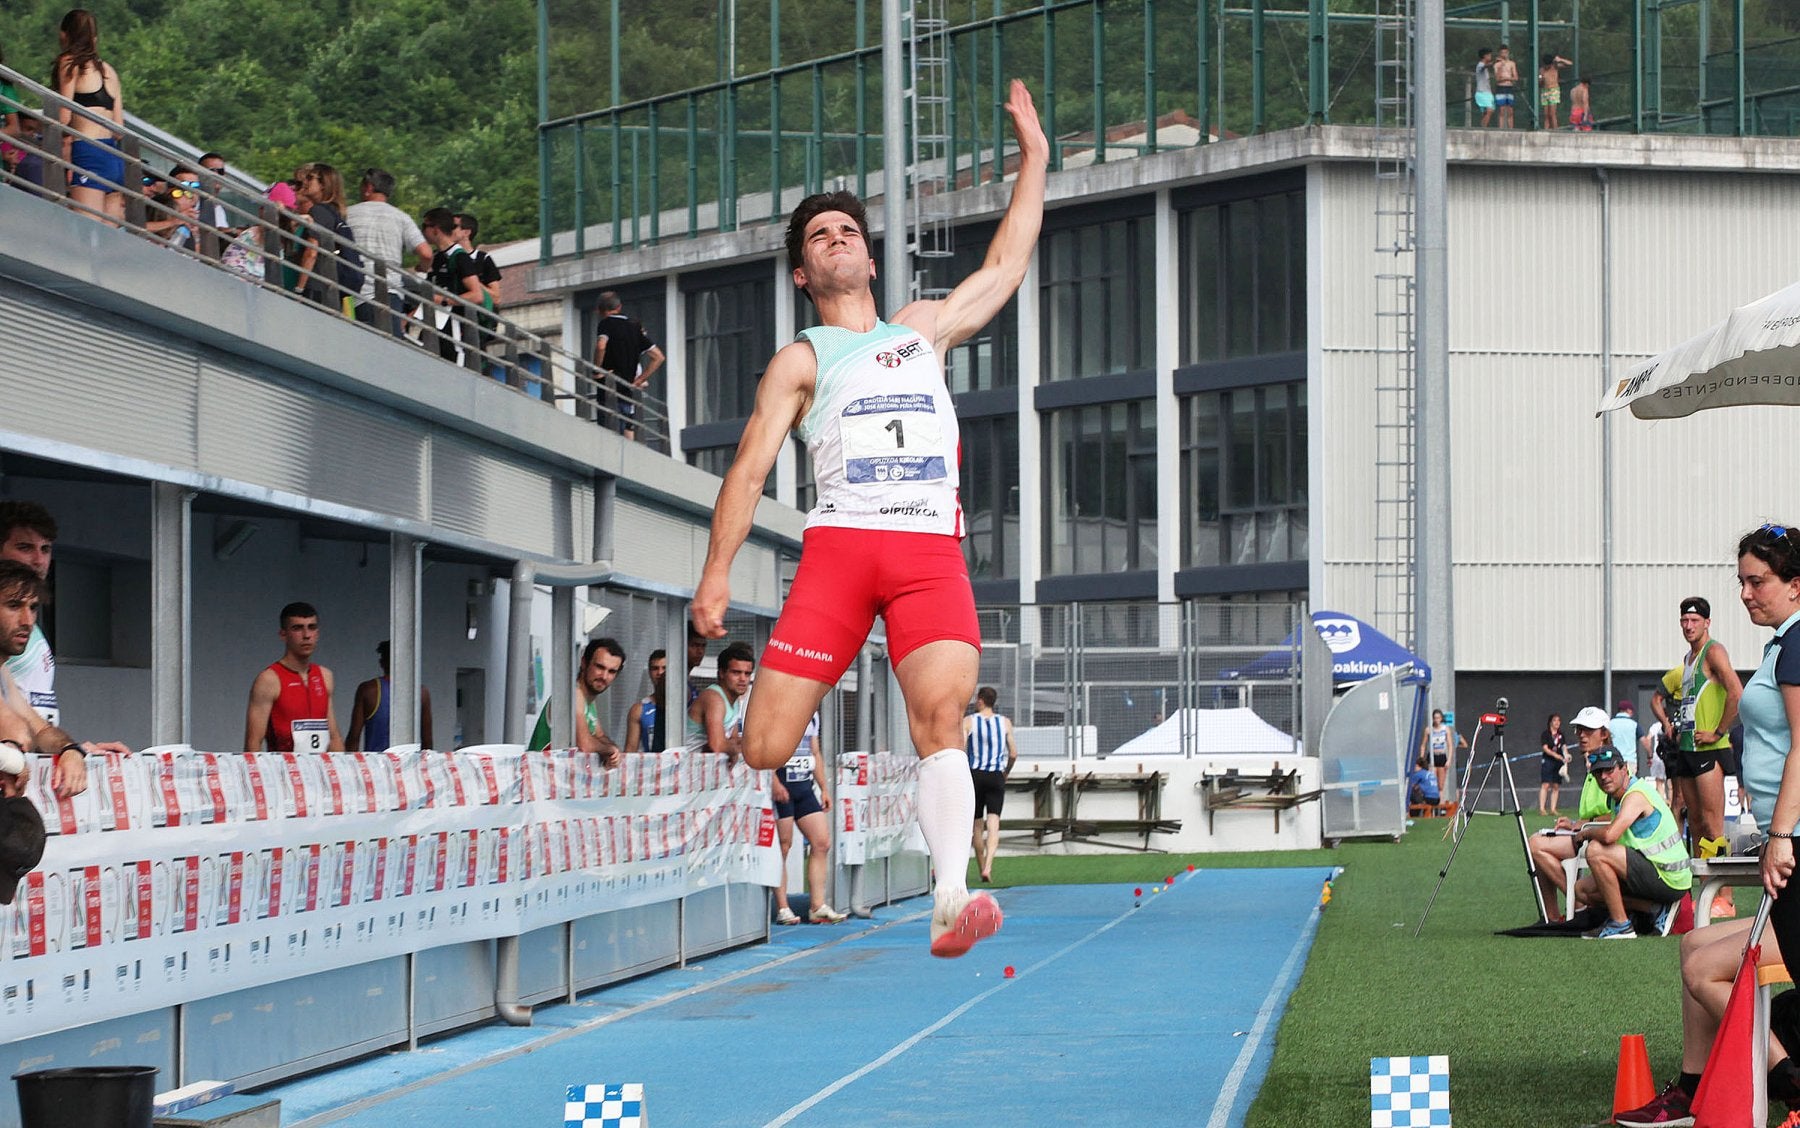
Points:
(441, 94)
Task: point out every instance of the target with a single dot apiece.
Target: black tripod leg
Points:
(1518, 813)
(1456, 843)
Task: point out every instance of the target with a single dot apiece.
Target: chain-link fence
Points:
(1095, 679)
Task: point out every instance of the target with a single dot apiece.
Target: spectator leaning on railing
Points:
(452, 272)
(385, 233)
(83, 78)
(322, 195)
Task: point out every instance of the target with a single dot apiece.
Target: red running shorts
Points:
(917, 582)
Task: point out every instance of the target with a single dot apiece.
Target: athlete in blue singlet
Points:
(369, 716)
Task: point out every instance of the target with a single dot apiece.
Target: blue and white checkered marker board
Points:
(1409, 1092)
(606, 1106)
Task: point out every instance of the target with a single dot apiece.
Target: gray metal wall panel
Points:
(485, 492)
(287, 438)
(655, 544)
(753, 579)
(1689, 247)
(262, 1033)
(139, 1039)
(131, 392)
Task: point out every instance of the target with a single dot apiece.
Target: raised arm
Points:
(984, 293)
(782, 397)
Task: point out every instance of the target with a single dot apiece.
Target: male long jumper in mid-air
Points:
(868, 398)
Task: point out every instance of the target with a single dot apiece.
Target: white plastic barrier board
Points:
(875, 800)
(180, 875)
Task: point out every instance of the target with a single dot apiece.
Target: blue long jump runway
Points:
(1159, 1015)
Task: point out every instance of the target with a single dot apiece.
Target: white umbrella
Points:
(1753, 357)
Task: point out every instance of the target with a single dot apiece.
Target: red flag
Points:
(1727, 1087)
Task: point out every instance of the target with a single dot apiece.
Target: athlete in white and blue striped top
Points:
(988, 739)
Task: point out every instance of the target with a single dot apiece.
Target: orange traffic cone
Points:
(1634, 1087)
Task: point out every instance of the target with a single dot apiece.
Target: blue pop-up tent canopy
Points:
(1358, 652)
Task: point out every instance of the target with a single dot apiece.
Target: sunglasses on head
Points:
(1776, 531)
(1598, 764)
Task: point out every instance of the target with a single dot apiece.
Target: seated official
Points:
(1549, 849)
(1637, 861)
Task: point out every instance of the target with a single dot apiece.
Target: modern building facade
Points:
(1183, 399)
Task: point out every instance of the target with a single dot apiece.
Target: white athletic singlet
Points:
(35, 672)
(695, 733)
(882, 432)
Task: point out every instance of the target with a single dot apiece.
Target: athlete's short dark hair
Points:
(736, 652)
(987, 695)
(26, 515)
(609, 644)
(659, 653)
(816, 205)
(17, 578)
(297, 610)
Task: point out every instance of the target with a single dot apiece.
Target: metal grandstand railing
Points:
(258, 240)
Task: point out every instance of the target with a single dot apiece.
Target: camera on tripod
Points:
(1497, 719)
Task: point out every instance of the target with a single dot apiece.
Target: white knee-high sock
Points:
(946, 812)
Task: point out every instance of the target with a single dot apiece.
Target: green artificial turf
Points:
(1101, 869)
(1531, 1026)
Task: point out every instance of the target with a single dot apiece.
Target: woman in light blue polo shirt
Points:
(1769, 585)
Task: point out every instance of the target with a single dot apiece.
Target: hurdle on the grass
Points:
(606, 1106)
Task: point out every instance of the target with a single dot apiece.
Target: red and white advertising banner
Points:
(179, 875)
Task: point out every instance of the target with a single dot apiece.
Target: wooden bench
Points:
(1230, 791)
(1070, 825)
(1041, 787)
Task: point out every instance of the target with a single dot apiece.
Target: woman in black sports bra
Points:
(96, 180)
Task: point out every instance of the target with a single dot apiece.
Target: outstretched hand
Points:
(1026, 126)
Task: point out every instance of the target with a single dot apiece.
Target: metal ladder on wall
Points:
(931, 171)
(1396, 147)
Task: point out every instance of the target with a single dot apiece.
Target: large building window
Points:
(1243, 476)
(987, 360)
(1100, 500)
(1243, 278)
(730, 337)
(1096, 311)
(990, 496)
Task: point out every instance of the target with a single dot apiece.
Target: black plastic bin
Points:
(99, 1096)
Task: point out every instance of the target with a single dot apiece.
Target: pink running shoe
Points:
(959, 921)
(1670, 1109)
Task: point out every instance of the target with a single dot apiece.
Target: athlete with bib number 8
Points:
(868, 398)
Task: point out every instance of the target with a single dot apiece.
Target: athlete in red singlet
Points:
(868, 398)
(292, 691)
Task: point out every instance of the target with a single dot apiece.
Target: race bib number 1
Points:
(895, 438)
(311, 736)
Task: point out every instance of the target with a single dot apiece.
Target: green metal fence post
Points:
(1256, 66)
(637, 203)
(693, 167)
(774, 109)
(862, 91)
(998, 102)
(815, 181)
(1739, 118)
(1098, 46)
(728, 193)
(618, 182)
(546, 216)
(580, 189)
(1536, 103)
(1050, 87)
(1150, 76)
(655, 176)
(1318, 62)
(1203, 67)
(1637, 66)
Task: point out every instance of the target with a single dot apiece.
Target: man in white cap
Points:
(1549, 849)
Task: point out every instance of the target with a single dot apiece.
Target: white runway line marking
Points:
(342, 1112)
(856, 1075)
(1234, 1080)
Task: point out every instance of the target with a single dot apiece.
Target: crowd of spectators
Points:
(368, 260)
